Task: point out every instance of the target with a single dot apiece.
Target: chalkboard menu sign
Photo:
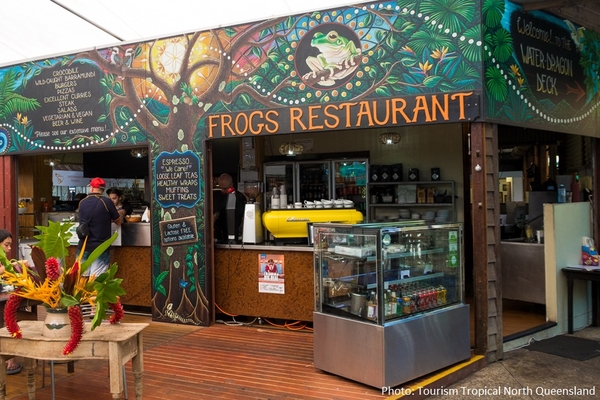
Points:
(178, 231)
(549, 56)
(68, 95)
(177, 179)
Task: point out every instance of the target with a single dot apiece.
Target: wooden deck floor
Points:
(220, 362)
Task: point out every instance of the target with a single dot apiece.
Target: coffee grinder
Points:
(252, 230)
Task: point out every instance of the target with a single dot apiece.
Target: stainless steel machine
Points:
(252, 230)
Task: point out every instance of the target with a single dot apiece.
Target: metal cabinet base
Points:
(395, 353)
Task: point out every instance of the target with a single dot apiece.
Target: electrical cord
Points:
(234, 323)
(290, 326)
(293, 326)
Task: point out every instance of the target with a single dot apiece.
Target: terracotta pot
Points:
(57, 323)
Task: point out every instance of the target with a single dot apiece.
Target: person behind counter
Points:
(118, 199)
(228, 211)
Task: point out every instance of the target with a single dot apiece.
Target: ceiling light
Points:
(51, 162)
(291, 149)
(389, 138)
(139, 153)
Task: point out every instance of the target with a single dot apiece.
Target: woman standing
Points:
(118, 199)
(12, 367)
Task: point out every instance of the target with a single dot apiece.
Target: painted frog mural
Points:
(337, 52)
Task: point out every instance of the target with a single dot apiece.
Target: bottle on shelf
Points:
(372, 306)
(393, 303)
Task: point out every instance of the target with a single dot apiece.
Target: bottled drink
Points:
(393, 304)
(562, 193)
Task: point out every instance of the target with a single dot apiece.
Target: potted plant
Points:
(50, 282)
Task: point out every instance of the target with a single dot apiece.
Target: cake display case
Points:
(389, 301)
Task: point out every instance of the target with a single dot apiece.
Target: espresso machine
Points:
(252, 230)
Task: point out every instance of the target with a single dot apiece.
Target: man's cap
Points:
(98, 183)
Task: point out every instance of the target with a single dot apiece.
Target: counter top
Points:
(521, 243)
(265, 247)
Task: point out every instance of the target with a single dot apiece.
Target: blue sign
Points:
(177, 179)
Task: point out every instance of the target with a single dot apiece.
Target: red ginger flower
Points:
(118, 312)
(10, 315)
(52, 268)
(76, 330)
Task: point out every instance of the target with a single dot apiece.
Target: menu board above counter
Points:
(69, 107)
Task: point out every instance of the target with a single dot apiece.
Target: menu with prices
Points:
(176, 176)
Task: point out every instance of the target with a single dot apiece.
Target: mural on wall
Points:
(540, 71)
(407, 52)
(387, 63)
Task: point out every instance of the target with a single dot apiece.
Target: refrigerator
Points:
(329, 179)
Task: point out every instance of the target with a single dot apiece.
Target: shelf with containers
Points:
(328, 179)
(387, 292)
(433, 201)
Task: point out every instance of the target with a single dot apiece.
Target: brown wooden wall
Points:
(486, 241)
(8, 199)
(236, 285)
(135, 269)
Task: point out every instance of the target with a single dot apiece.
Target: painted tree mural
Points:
(160, 92)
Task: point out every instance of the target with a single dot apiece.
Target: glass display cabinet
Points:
(389, 302)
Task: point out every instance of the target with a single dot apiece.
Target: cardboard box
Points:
(340, 269)
(430, 195)
(421, 195)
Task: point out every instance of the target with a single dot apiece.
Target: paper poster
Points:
(271, 273)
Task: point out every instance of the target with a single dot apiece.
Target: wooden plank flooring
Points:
(221, 362)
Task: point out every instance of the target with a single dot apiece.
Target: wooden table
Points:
(573, 273)
(115, 343)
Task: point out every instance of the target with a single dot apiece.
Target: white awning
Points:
(36, 29)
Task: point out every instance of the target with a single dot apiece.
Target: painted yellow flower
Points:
(521, 81)
(515, 70)
(408, 49)
(24, 120)
(425, 67)
(440, 54)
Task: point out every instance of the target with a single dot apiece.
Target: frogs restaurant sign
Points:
(422, 109)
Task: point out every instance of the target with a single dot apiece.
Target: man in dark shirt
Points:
(98, 211)
(228, 213)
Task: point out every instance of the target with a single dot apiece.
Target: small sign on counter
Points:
(178, 231)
